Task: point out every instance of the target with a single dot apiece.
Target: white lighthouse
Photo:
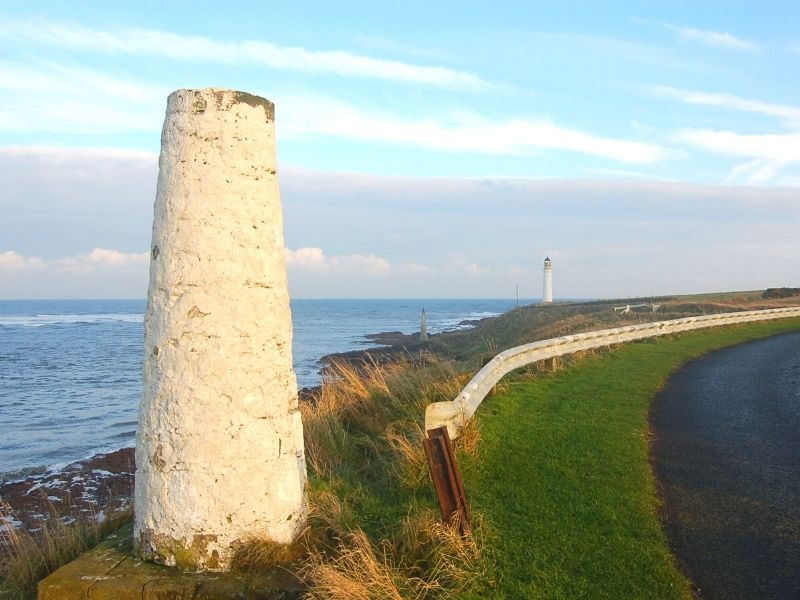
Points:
(547, 293)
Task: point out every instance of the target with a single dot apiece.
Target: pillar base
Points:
(110, 571)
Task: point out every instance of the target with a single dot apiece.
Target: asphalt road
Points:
(727, 455)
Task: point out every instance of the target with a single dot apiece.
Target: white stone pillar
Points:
(219, 449)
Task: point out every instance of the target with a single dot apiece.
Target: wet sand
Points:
(727, 455)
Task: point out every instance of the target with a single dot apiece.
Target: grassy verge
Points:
(563, 481)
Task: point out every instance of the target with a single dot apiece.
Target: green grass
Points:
(563, 481)
(530, 323)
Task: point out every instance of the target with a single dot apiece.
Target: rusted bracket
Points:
(447, 479)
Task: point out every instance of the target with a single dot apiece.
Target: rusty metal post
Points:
(447, 479)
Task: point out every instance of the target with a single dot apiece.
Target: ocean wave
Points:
(457, 323)
(68, 319)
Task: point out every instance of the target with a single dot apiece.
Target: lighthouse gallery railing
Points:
(455, 414)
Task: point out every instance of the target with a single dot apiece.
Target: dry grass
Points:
(28, 557)
(359, 572)
(257, 554)
(427, 560)
(364, 432)
(411, 466)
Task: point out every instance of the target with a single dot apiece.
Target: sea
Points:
(71, 370)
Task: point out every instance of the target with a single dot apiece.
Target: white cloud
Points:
(362, 263)
(778, 147)
(93, 156)
(113, 258)
(714, 39)
(753, 172)
(12, 260)
(455, 132)
(307, 258)
(148, 42)
(769, 152)
(96, 258)
(63, 99)
(790, 113)
(55, 79)
(94, 103)
(316, 260)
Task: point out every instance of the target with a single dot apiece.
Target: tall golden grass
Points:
(368, 419)
(26, 557)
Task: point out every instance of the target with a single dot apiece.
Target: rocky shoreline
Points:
(93, 487)
(394, 345)
(86, 489)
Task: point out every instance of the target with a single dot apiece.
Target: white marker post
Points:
(219, 449)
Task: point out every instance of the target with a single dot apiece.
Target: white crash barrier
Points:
(455, 414)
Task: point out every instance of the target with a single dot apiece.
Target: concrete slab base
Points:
(110, 572)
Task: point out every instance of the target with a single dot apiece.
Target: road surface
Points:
(726, 452)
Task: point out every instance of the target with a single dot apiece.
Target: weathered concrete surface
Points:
(111, 572)
(219, 448)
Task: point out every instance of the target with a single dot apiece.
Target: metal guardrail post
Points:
(447, 479)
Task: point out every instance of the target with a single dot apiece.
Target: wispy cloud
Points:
(315, 259)
(84, 156)
(777, 147)
(164, 44)
(12, 261)
(790, 113)
(66, 99)
(770, 153)
(96, 258)
(454, 132)
(713, 39)
(93, 102)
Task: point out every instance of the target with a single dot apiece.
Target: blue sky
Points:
(426, 149)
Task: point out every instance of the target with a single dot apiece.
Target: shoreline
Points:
(89, 487)
(394, 345)
(84, 489)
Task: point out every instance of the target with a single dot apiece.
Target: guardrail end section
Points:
(447, 479)
(445, 414)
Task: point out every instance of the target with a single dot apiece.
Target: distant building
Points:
(547, 294)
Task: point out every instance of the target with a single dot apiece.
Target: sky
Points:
(425, 149)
